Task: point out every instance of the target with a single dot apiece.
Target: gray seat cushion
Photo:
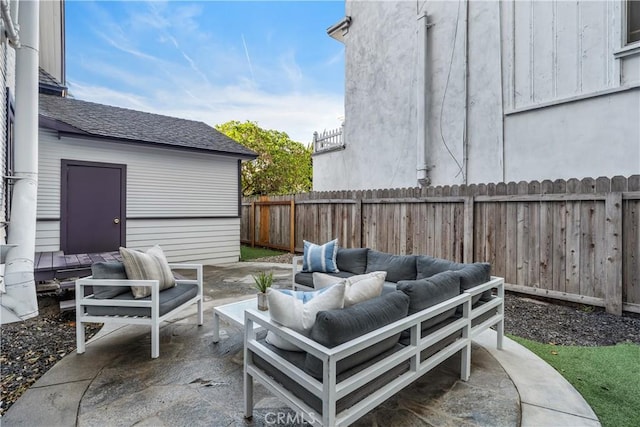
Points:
(398, 267)
(425, 293)
(335, 327)
(352, 260)
(471, 275)
(113, 270)
(306, 279)
(169, 299)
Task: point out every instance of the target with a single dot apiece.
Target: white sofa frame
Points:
(496, 284)
(153, 321)
(329, 390)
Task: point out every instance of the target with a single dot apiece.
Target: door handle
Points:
(116, 220)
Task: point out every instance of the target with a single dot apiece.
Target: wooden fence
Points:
(575, 240)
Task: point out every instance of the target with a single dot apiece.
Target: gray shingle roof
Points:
(91, 119)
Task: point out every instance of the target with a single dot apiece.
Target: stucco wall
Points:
(546, 83)
(594, 137)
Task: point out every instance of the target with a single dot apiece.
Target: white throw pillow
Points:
(297, 310)
(357, 288)
(151, 265)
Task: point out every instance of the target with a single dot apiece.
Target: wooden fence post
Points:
(613, 261)
(467, 254)
(252, 223)
(292, 226)
(358, 214)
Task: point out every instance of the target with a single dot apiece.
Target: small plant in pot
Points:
(263, 281)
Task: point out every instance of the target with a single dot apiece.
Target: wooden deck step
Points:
(57, 265)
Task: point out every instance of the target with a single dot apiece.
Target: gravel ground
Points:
(30, 348)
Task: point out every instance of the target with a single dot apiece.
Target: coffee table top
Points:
(234, 312)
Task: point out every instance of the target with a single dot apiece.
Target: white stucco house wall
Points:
(444, 93)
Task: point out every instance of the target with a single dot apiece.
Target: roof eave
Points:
(67, 130)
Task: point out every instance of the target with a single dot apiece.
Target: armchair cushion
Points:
(113, 270)
(151, 265)
(169, 299)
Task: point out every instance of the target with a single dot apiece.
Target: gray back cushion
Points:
(471, 275)
(427, 266)
(352, 260)
(398, 267)
(113, 270)
(335, 327)
(425, 293)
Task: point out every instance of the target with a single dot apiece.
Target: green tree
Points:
(283, 166)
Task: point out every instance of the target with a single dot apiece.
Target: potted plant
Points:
(263, 281)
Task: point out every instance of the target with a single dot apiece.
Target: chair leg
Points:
(200, 313)
(155, 341)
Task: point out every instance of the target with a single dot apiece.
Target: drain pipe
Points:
(422, 122)
(20, 301)
(9, 27)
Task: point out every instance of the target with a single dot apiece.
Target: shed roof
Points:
(72, 116)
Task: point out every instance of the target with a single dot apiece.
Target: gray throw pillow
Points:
(398, 267)
(335, 327)
(113, 270)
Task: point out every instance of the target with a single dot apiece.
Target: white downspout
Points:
(9, 27)
(422, 123)
(20, 301)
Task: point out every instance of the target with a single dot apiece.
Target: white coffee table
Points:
(234, 314)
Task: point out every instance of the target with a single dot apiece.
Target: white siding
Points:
(206, 241)
(160, 182)
(51, 39)
(163, 187)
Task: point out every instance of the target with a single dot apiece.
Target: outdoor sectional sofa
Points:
(356, 357)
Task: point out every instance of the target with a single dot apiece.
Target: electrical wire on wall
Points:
(419, 8)
(444, 96)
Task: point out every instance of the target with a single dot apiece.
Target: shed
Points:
(111, 177)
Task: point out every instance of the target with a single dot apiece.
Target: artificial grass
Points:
(607, 377)
(247, 253)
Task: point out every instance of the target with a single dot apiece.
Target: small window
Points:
(633, 21)
(9, 156)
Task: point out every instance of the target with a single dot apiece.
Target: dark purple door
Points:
(92, 207)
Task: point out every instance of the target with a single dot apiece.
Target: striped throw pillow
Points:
(320, 258)
(151, 265)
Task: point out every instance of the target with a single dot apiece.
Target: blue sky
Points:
(213, 61)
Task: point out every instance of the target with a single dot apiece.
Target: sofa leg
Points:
(465, 362)
(500, 334)
(200, 313)
(79, 337)
(248, 396)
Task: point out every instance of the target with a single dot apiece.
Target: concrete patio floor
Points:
(196, 382)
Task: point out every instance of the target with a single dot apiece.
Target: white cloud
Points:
(297, 114)
(166, 64)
